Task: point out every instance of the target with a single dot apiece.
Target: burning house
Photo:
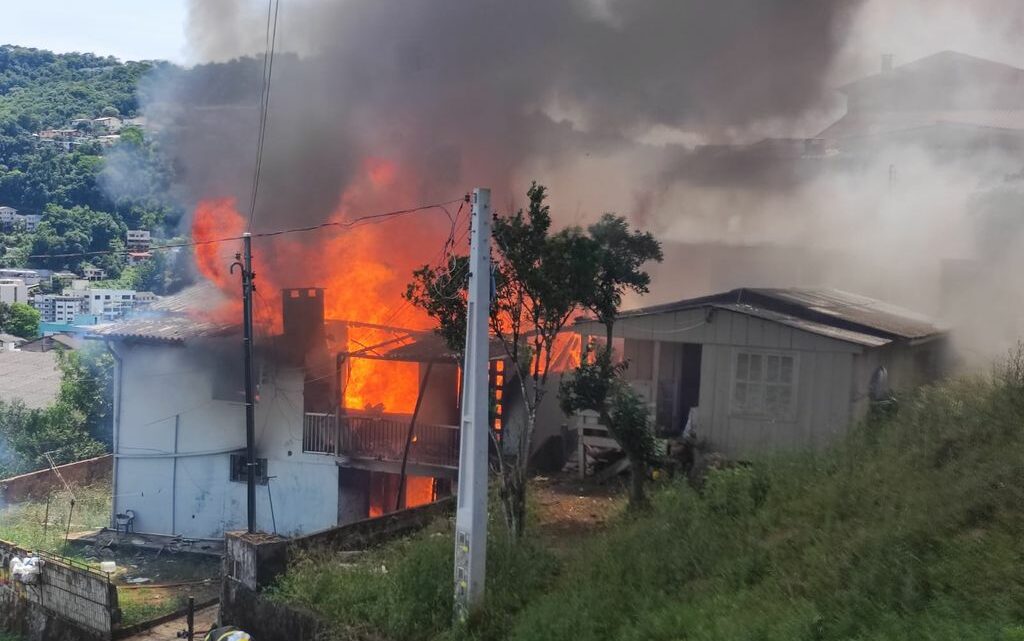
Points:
(341, 433)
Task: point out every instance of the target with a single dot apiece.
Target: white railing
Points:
(381, 438)
(320, 433)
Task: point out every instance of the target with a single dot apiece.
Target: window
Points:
(238, 473)
(764, 385)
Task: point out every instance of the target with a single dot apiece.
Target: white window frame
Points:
(760, 411)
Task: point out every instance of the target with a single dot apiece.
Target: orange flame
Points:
(364, 269)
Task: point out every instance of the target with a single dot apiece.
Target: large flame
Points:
(364, 269)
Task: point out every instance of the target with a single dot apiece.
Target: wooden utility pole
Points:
(471, 511)
(250, 397)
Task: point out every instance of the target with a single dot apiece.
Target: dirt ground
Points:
(568, 509)
(204, 622)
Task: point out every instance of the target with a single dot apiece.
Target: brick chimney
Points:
(302, 310)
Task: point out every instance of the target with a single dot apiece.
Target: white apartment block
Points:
(13, 290)
(109, 304)
(59, 308)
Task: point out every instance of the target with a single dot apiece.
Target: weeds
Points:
(35, 526)
(910, 529)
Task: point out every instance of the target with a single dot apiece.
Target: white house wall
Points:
(182, 486)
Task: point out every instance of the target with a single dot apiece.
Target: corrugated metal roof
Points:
(32, 377)
(821, 329)
(173, 319)
(171, 328)
(828, 312)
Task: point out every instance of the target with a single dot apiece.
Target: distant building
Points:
(9, 342)
(109, 140)
(31, 221)
(136, 258)
(52, 341)
(13, 290)
(109, 124)
(139, 239)
(60, 308)
(145, 299)
(8, 218)
(109, 304)
(91, 272)
(32, 277)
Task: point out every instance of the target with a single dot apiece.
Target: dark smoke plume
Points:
(465, 92)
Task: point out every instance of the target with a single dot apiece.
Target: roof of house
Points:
(942, 70)
(172, 319)
(32, 377)
(11, 338)
(888, 122)
(827, 312)
(944, 89)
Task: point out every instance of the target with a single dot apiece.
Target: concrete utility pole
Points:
(250, 396)
(471, 514)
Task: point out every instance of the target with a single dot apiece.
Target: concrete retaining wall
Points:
(67, 601)
(38, 484)
(254, 562)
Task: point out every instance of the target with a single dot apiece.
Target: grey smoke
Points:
(465, 92)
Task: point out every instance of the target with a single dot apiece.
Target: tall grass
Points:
(31, 525)
(404, 590)
(911, 529)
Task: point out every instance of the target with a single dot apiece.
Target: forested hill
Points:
(88, 193)
(41, 89)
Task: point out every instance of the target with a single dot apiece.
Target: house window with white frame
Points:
(764, 385)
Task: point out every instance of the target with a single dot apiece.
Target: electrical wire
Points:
(345, 224)
(268, 74)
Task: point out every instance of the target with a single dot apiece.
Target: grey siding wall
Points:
(824, 388)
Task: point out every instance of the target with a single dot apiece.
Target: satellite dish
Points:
(878, 388)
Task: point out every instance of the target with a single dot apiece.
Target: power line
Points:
(340, 224)
(268, 74)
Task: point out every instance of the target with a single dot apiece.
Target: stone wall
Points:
(66, 602)
(39, 484)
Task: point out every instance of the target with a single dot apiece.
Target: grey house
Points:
(756, 370)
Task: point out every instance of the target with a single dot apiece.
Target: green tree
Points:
(87, 385)
(19, 319)
(619, 254)
(58, 429)
(540, 279)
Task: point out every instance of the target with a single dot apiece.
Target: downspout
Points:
(118, 377)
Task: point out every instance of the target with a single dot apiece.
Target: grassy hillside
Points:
(910, 530)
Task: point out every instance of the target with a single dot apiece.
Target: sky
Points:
(128, 29)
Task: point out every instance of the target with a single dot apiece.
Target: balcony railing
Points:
(380, 438)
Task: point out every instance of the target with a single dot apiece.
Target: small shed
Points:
(756, 370)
